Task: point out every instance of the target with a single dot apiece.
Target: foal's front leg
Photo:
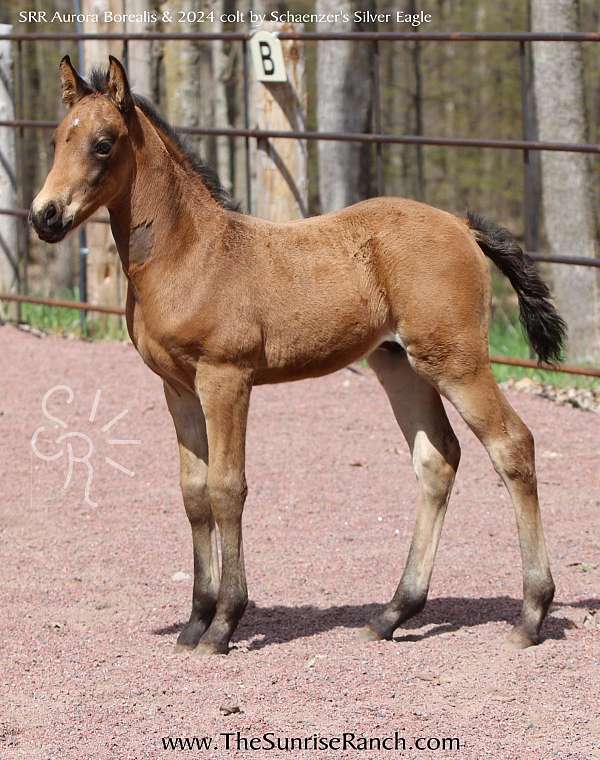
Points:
(225, 395)
(190, 427)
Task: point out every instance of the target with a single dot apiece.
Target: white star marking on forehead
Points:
(73, 125)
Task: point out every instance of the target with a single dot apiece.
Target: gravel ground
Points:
(93, 596)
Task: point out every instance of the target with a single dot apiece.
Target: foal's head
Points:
(93, 158)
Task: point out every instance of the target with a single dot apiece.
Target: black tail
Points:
(545, 328)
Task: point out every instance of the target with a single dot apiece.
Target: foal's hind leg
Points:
(190, 427)
(435, 453)
(509, 444)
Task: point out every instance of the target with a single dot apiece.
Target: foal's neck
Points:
(163, 205)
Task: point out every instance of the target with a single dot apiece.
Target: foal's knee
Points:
(227, 490)
(194, 489)
(436, 468)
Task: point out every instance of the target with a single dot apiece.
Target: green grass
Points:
(507, 338)
(60, 321)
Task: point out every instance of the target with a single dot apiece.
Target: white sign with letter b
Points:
(267, 56)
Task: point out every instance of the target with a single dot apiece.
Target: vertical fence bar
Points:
(83, 294)
(125, 50)
(10, 225)
(527, 166)
(418, 103)
(376, 116)
(527, 200)
(82, 235)
(247, 125)
(23, 243)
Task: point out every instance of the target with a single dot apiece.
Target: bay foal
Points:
(219, 301)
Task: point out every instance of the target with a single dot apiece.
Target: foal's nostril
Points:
(51, 214)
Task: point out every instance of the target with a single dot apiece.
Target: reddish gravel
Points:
(91, 610)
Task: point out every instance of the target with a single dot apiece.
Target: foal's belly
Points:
(317, 330)
(296, 361)
(273, 375)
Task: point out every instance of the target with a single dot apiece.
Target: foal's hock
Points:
(219, 301)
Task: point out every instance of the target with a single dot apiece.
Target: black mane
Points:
(98, 82)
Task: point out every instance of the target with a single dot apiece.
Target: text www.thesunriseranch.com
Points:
(235, 741)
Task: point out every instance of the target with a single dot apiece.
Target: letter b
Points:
(266, 58)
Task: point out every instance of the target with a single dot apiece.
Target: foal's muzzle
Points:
(49, 222)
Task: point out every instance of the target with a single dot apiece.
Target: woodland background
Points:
(431, 88)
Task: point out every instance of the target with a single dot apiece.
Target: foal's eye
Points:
(103, 148)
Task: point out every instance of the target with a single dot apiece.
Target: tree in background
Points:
(568, 197)
(9, 238)
(343, 105)
(142, 59)
(188, 80)
(55, 267)
(194, 84)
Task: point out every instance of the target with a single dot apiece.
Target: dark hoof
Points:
(520, 639)
(205, 648)
(369, 634)
(190, 635)
(380, 628)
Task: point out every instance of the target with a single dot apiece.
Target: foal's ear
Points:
(73, 86)
(117, 86)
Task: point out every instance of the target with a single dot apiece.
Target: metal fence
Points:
(374, 137)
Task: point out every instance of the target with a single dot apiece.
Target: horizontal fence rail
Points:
(375, 137)
(312, 36)
(576, 261)
(360, 137)
(569, 369)
(61, 303)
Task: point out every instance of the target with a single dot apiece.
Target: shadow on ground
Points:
(263, 626)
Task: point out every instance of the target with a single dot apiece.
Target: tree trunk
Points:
(141, 62)
(396, 104)
(567, 191)
(9, 244)
(188, 77)
(343, 105)
(220, 67)
(234, 91)
(281, 166)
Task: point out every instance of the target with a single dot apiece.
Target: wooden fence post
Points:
(9, 261)
(280, 179)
